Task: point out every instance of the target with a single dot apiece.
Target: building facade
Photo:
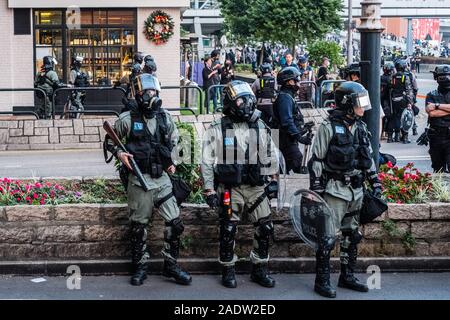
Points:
(105, 33)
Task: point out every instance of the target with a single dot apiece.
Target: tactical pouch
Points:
(229, 174)
(357, 181)
(156, 170)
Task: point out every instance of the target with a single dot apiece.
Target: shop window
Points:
(51, 37)
(121, 17)
(100, 17)
(48, 17)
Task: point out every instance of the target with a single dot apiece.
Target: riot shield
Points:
(407, 120)
(281, 196)
(311, 217)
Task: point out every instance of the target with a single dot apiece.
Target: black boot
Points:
(390, 139)
(173, 270)
(397, 137)
(171, 252)
(405, 138)
(229, 277)
(139, 253)
(260, 275)
(349, 254)
(322, 284)
(260, 253)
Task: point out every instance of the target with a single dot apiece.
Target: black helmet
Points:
(239, 102)
(265, 68)
(401, 65)
(138, 57)
(442, 75)
(77, 61)
(354, 68)
(351, 94)
(150, 63)
(286, 74)
(389, 68)
(145, 88)
(302, 59)
(49, 62)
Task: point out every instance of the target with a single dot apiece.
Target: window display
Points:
(106, 41)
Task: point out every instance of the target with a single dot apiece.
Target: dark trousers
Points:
(440, 152)
(292, 156)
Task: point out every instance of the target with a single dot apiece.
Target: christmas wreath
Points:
(159, 27)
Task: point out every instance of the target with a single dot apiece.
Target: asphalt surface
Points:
(393, 286)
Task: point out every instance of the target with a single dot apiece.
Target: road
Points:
(394, 286)
(90, 162)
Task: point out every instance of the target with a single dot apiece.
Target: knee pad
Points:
(354, 236)
(176, 226)
(138, 232)
(265, 227)
(228, 230)
(326, 243)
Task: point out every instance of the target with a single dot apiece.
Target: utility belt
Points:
(154, 169)
(441, 131)
(233, 175)
(355, 181)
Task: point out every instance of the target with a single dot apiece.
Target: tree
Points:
(319, 49)
(285, 21)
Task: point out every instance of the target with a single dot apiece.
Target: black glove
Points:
(272, 189)
(375, 184)
(212, 200)
(306, 139)
(318, 186)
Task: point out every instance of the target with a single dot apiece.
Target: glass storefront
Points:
(106, 40)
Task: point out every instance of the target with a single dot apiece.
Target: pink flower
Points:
(35, 195)
(42, 201)
(390, 165)
(406, 176)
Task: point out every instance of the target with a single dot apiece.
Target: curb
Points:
(211, 266)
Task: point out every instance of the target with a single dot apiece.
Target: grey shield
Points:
(407, 120)
(312, 217)
(281, 197)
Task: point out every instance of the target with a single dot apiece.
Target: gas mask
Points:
(245, 109)
(443, 81)
(149, 102)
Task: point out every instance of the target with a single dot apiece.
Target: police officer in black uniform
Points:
(289, 120)
(402, 96)
(386, 79)
(438, 109)
(265, 89)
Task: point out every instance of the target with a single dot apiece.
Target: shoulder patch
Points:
(340, 129)
(138, 126)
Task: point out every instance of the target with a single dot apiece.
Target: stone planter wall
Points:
(100, 232)
(86, 133)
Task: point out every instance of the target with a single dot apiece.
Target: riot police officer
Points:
(386, 79)
(150, 135)
(47, 80)
(265, 89)
(78, 79)
(289, 120)
(149, 65)
(402, 97)
(234, 169)
(341, 162)
(438, 109)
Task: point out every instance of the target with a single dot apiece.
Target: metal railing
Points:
(208, 97)
(55, 93)
(181, 109)
(186, 100)
(33, 113)
(311, 84)
(324, 83)
(105, 112)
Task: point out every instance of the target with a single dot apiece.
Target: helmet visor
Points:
(146, 81)
(363, 101)
(239, 90)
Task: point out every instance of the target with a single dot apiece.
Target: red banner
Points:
(424, 29)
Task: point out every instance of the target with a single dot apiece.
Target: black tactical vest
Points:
(235, 174)
(267, 88)
(152, 152)
(438, 97)
(81, 79)
(347, 152)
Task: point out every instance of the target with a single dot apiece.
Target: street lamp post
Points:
(350, 35)
(370, 29)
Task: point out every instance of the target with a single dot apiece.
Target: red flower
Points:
(42, 201)
(18, 199)
(389, 165)
(35, 195)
